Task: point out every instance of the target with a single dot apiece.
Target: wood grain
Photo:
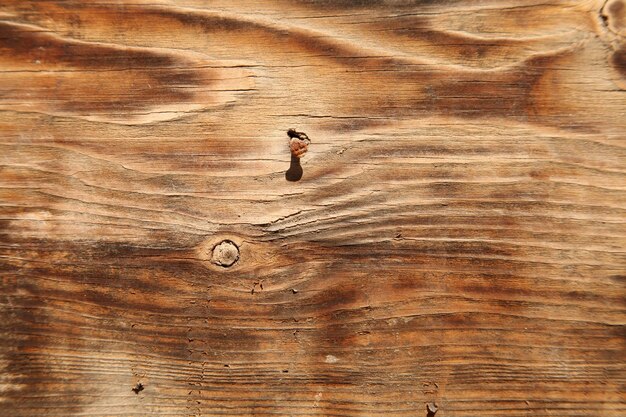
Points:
(458, 235)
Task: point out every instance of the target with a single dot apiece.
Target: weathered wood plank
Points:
(457, 236)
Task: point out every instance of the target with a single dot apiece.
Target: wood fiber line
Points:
(107, 82)
(457, 237)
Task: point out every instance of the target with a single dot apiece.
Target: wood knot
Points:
(298, 143)
(613, 15)
(225, 253)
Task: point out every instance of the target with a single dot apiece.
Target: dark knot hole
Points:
(294, 173)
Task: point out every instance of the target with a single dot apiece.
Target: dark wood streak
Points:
(104, 82)
(618, 59)
(411, 86)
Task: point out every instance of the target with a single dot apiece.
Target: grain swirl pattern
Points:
(457, 237)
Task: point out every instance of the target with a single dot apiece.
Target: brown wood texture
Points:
(457, 236)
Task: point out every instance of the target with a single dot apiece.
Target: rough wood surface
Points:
(457, 236)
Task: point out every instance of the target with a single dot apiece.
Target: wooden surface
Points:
(457, 235)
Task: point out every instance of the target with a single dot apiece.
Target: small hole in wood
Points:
(298, 145)
(138, 388)
(431, 409)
